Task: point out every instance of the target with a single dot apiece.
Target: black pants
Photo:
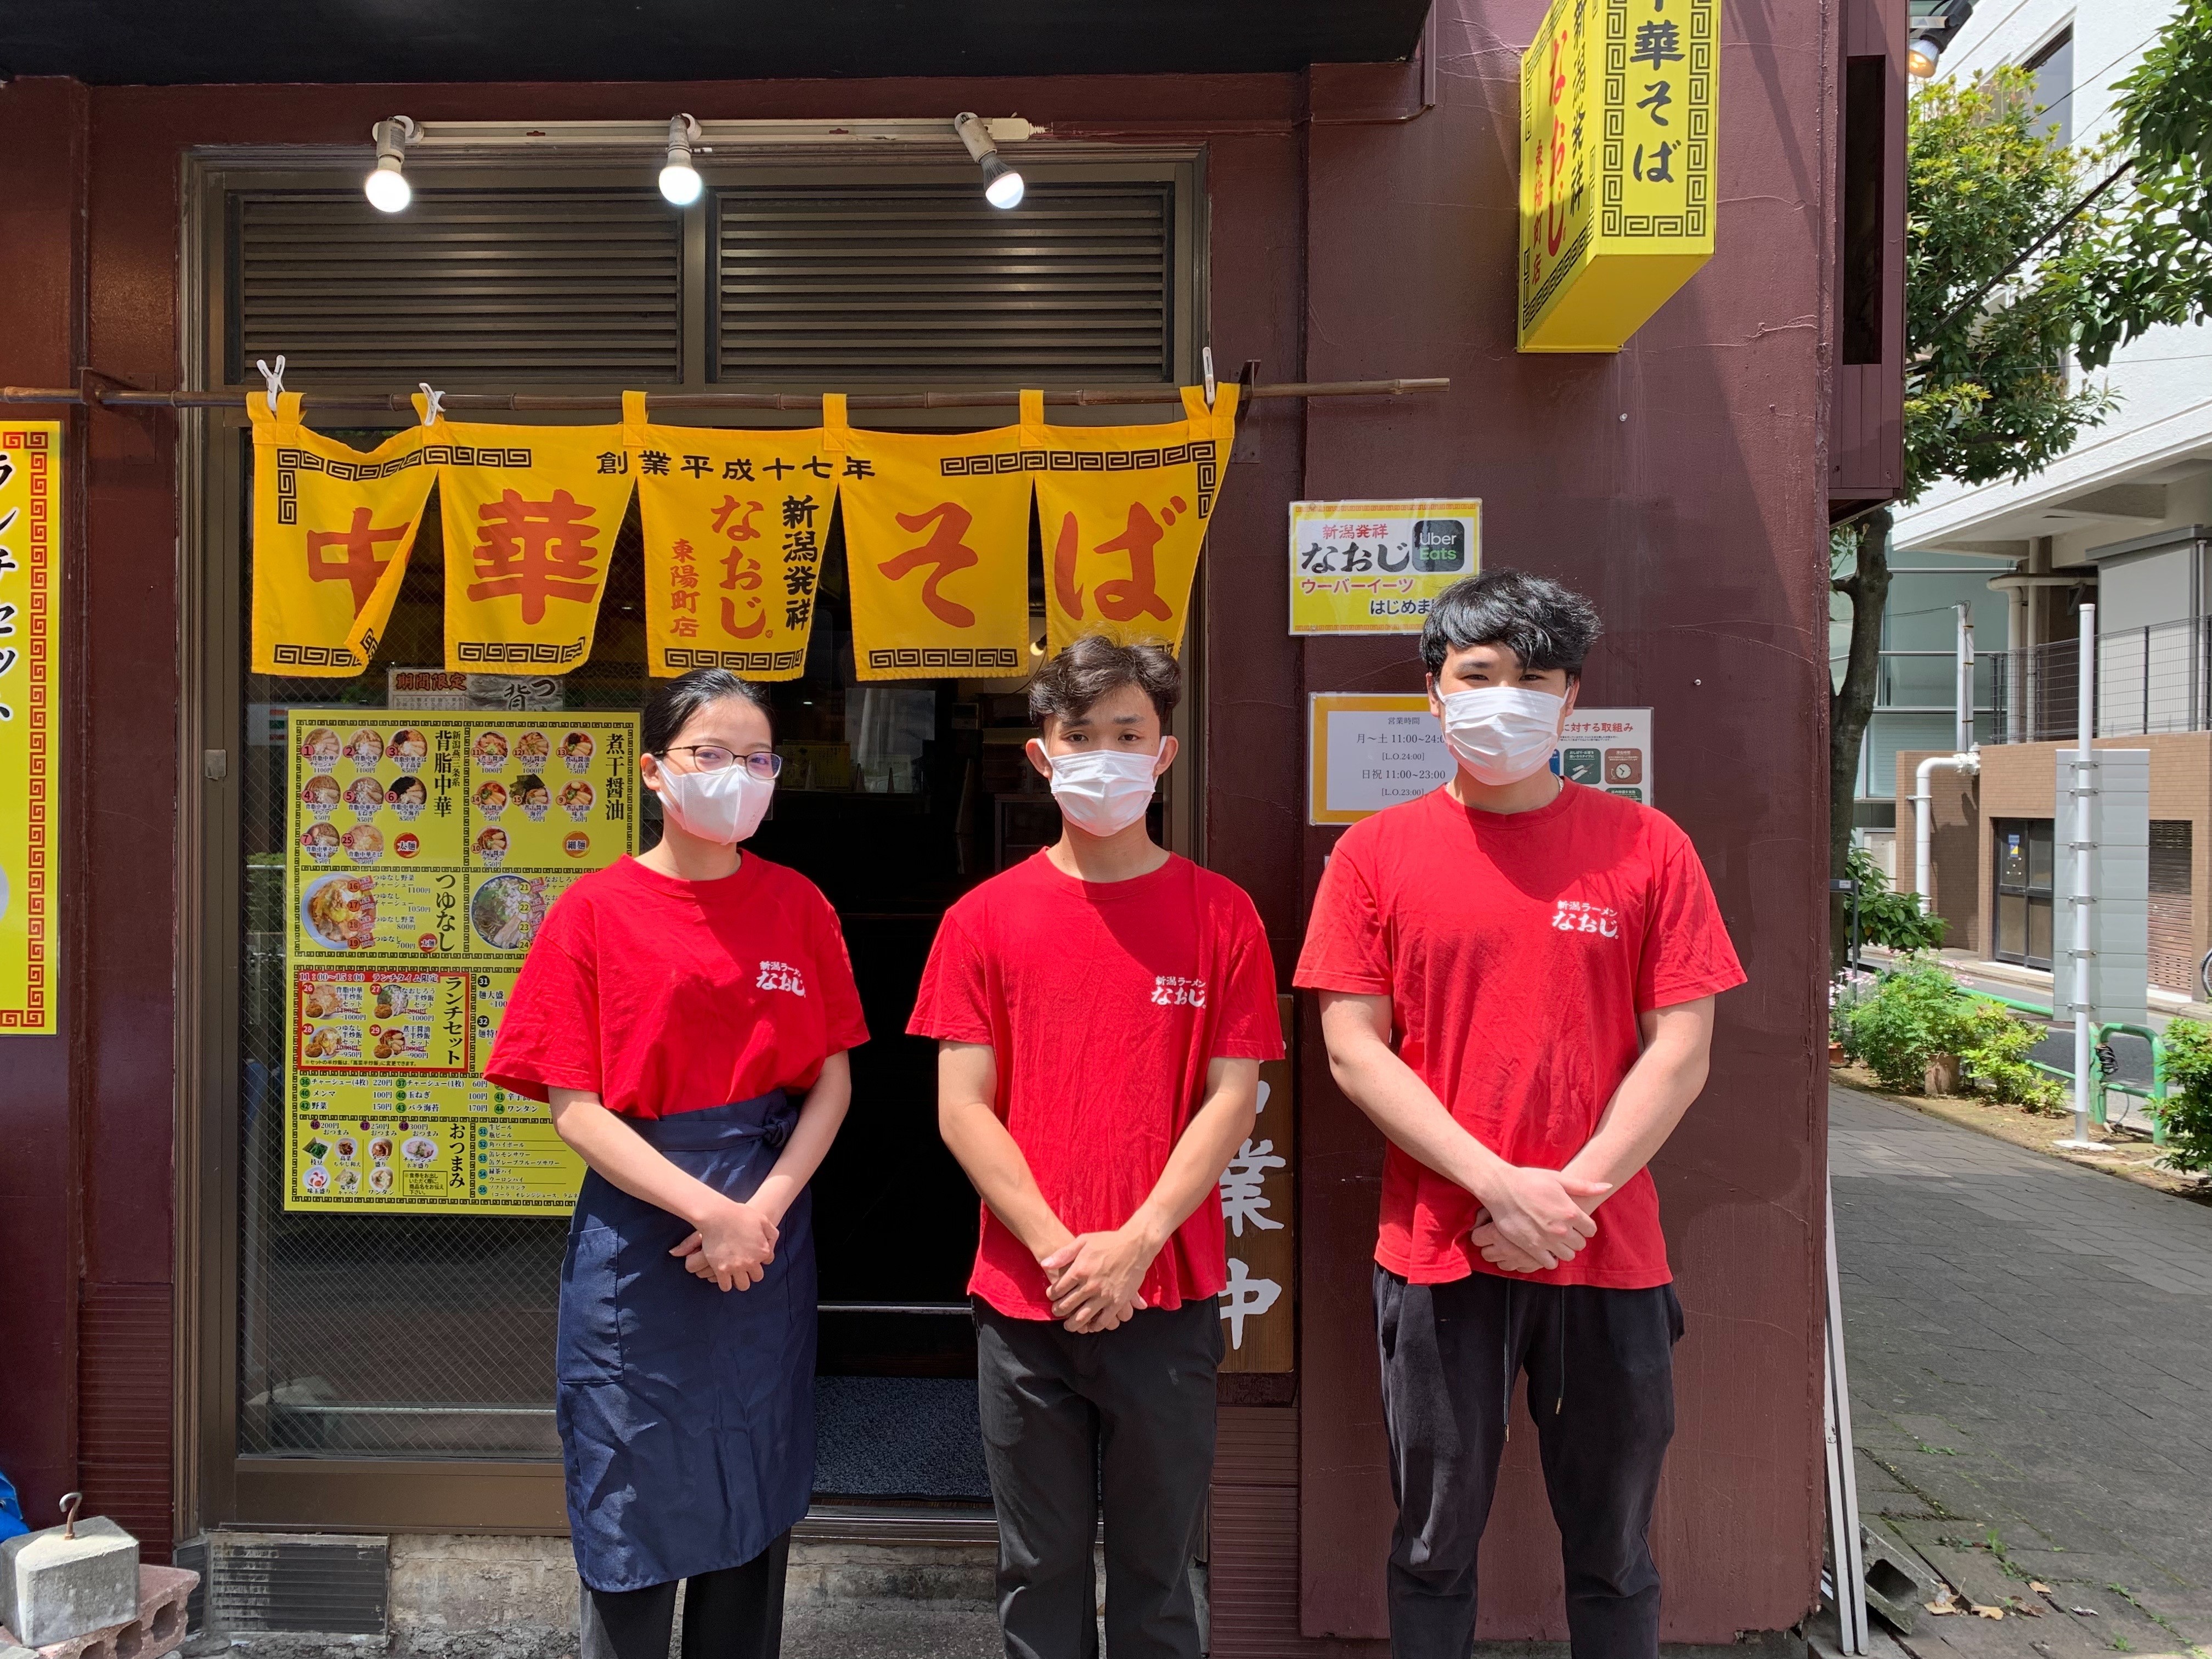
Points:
(1602, 1389)
(734, 1614)
(1127, 1414)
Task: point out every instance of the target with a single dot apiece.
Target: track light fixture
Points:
(679, 179)
(387, 187)
(1002, 185)
(1931, 25)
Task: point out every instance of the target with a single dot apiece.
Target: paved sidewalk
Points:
(2031, 1365)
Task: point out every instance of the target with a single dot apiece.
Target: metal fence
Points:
(2157, 678)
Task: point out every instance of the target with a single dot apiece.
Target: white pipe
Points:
(2085, 793)
(1964, 689)
(1923, 815)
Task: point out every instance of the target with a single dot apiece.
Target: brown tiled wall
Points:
(2019, 781)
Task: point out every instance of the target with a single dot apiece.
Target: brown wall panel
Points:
(124, 1382)
(43, 134)
(1682, 484)
(1252, 1555)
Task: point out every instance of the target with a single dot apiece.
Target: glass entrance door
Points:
(430, 1337)
(2022, 902)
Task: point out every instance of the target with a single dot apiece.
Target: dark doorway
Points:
(897, 798)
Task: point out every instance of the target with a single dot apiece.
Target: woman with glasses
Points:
(686, 1014)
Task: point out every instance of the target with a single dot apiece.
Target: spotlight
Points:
(1002, 185)
(387, 187)
(1922, 57)
(679, 179)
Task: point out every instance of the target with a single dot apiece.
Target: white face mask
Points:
(1503, 733)
(725, 806)
(1104, 790)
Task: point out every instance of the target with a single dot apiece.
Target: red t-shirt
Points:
(666, 996)
(1105, 1003)
(1517, 951)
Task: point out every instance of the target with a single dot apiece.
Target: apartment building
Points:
(2122, 521)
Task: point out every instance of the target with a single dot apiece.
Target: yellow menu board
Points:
(30, 706)
(423, 851)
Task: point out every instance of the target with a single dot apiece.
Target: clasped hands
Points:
(1533, 1219)
(1092, 1279)
(733, 1245)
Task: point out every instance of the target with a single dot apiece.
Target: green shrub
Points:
(1995, 1057)
(2187, 1114)
(1885, 917)
(1913, 1014)
(1916, 1012)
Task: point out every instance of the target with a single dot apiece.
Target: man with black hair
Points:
(1102, 1009)
(1517, 977)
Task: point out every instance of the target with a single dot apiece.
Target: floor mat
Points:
(897, 1436)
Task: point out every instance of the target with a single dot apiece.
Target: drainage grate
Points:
(193, 1556)
(333, 1586)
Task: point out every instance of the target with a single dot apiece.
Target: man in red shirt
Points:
(1102, 1009)
(1517, 977)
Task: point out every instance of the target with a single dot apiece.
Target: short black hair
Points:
(1540, 621)
(1065, 688)
(672, 703)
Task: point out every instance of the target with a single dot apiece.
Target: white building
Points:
(2148, 468)
(2122, 520)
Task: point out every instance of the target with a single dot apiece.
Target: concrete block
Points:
(1898, 1582)
(157, 1628)
(54, 1588)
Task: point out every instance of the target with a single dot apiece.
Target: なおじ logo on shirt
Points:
(1575, 917)
(781, 976)
(1172, 991)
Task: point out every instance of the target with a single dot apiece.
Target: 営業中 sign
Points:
(1259, 1331)
(1376, 566)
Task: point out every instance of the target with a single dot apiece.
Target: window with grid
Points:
(431, 1336)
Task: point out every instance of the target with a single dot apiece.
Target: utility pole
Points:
(2083, 843)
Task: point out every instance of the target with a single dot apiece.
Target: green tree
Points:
(1998, 253)
(2155, 261)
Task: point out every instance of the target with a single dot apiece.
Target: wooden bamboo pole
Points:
(527, 402)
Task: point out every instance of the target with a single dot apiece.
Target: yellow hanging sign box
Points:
(1619, 112)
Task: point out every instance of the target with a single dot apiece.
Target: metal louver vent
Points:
(505, 286)
(910, 284)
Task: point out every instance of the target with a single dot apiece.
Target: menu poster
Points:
(424, 851)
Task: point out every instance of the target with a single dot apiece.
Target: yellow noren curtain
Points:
(734, 526)
(530, 514)
(937, 529)
(332, 531)
(1123, 511)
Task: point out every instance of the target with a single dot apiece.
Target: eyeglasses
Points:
(713, 757)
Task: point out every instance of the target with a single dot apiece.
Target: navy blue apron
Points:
(686, 1412)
